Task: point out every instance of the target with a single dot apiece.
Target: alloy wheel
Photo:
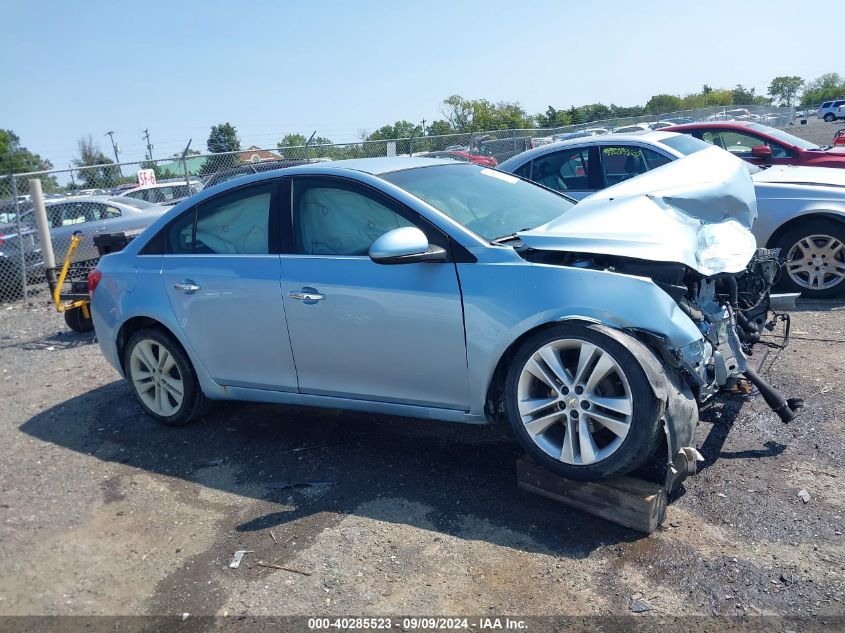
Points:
(575, 401)
(156, 377)
(816, 262)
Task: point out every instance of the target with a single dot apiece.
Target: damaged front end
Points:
(692, 240)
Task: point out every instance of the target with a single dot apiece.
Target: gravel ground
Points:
(105, 512)
(816, 130)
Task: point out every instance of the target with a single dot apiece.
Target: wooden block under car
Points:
(628, 501)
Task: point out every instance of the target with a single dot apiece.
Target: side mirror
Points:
(763, 152)
(405, 246)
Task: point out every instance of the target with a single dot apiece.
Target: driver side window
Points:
(337, 219)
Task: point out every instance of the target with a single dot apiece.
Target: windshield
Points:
(129, 201)
(786, 137)
(685, 144)
(490, 203)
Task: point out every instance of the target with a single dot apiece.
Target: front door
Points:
(221, 273)
(390, 333)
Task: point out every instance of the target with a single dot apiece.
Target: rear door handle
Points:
(309, 295)
(187, 286)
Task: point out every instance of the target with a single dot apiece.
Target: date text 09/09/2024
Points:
(416, 623)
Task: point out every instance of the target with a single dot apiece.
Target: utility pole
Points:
(110, 134)
(72, 181)
(149, 146)
(423, 127)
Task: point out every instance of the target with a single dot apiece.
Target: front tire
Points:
(580, 403)
(829, 118)
(162, 378)
(814, 259)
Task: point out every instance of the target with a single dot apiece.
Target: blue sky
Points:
(273, 67)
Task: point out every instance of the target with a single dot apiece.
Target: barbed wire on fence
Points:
(108, 197)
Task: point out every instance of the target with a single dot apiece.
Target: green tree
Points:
(299, 140)
(16, 159)
(553, 117)
(741, 95)
(662, 103)
(96, 170)
(785, 89)
(825, 88)
(479, 115)
(439, 128)
(223, 140)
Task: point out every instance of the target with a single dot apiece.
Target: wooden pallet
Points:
(628, 501)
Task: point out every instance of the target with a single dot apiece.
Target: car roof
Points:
(162, 183)
(373, 166)
(648, 136)
(689, 126)
(98, 198)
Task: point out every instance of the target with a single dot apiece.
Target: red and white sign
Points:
(146, 177)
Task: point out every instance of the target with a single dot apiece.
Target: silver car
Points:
(801, 209)
(94, 215)
(435, 289)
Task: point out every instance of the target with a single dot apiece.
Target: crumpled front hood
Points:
(694, 211)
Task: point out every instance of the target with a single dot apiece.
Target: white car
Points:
(95, 215)
(801, 210)
(165, 193)
(830, 111)
(636, 127)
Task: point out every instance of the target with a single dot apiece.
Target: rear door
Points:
(623, 161)
(221, 273)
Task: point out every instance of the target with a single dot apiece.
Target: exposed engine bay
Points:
(731, 310)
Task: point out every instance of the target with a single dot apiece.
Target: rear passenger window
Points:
(567, 170)
(237, 223)
(622, 162)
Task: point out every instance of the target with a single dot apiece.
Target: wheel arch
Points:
(136, 323)
(495, 386)
(779, 232)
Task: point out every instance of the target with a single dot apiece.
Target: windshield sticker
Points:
(512, 180)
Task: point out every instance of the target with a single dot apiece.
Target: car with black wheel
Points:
(801, 210)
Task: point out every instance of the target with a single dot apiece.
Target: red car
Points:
(761, 144)
(486, 161)
(839, 139)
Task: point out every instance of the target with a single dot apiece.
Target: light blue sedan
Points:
(403, 286)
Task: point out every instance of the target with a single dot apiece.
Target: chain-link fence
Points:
(109, 199)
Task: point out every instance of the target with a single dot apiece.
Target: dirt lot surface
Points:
(105, 512)
(815, 130)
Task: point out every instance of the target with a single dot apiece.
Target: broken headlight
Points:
(725, 247)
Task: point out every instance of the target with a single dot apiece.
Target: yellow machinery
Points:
(70, 296)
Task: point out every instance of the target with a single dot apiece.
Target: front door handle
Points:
(187, 286)
(309, 295)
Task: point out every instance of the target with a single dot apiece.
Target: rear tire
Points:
(162, 378)
(814, 259)
(77, 321)
(580, 403)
